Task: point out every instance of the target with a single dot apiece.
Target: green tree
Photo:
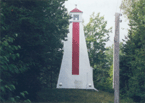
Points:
(40, 26)
(9, 68)
(132, 63)
(109, 54)
(109, 58)
(96, 37)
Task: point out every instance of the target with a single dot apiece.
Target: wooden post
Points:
(116, 59)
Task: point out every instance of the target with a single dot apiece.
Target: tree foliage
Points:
(109, 54)
(9, 68)
(132, 64)
(109, 58)
(40, 26)
(96, 37)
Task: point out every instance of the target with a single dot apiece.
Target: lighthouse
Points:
(75, 71)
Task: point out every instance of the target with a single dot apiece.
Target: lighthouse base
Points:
(79, 89)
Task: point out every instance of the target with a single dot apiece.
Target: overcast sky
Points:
(107, 8)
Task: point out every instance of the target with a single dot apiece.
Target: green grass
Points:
(75, 96)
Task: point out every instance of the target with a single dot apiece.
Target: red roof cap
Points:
(76, 10)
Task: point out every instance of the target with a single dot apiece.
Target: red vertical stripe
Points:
(75, 48)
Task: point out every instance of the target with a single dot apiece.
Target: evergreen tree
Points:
(132, 64)
(40, 26)
(8, 67)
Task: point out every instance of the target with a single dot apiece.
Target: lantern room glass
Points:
(75, 17)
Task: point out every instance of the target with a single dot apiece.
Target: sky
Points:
(107, 8)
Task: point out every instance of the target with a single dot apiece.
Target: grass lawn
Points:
(75, 96)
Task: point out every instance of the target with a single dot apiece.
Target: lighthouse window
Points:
(76, 17)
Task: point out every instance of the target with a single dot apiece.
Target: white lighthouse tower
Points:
(75, 71)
